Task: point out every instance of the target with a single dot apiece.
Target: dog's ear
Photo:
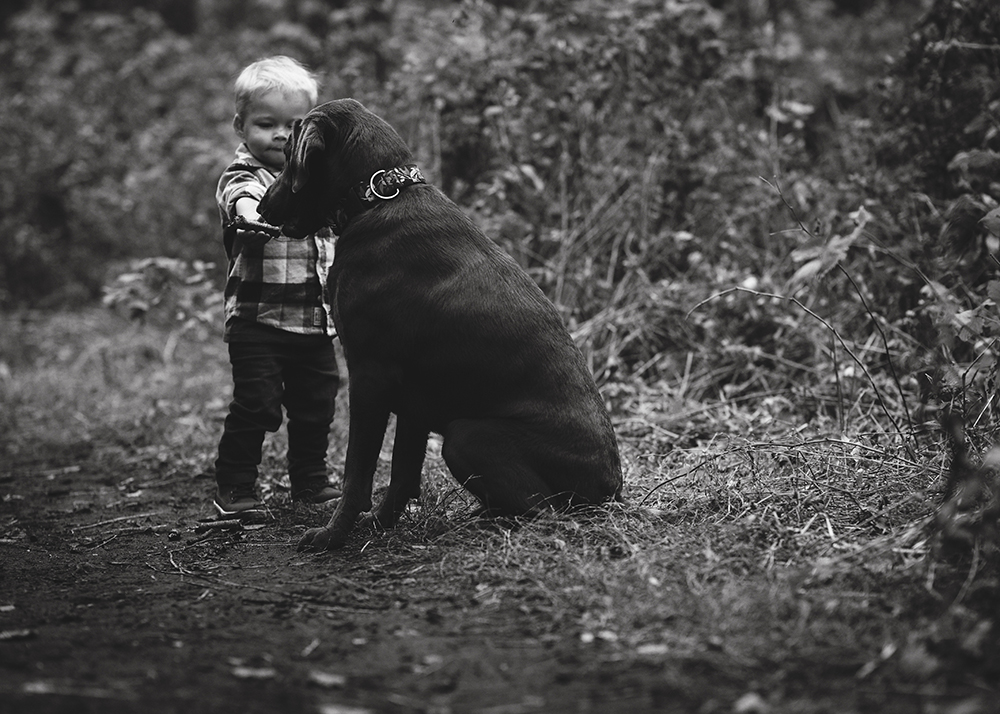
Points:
(308, 143)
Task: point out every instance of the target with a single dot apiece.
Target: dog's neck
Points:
(384, 185)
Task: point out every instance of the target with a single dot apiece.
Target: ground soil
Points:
(111, 600)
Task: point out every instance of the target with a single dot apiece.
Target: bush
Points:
(636, 157)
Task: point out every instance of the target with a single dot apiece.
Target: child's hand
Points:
(253, 233)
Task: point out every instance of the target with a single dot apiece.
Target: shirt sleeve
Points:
(237, 183)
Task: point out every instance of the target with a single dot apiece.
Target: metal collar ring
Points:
(371, 187)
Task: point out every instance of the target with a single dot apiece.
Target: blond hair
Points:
(273, 73)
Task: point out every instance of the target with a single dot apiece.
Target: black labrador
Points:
(441, 327)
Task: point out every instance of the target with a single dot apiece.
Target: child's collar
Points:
(243, 156)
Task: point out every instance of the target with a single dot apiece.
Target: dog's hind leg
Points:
(489, 459)
(408, 449)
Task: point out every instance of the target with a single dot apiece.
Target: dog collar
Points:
(384, 185)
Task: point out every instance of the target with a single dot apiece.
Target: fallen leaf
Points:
(992, 221)
(10, 635)
(254, 672)
(327, 679)
(751, 703)
(342, 709)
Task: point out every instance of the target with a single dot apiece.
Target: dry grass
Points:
(785, 548)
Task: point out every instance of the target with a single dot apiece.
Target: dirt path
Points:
(111, 600)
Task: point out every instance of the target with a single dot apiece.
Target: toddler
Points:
(277, 305)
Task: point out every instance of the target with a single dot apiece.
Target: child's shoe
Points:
(238, 501)
(315, 490)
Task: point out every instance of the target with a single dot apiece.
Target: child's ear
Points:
(238, 125)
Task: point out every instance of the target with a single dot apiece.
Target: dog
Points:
(441, 327)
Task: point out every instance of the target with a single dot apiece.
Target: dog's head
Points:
(334, 148)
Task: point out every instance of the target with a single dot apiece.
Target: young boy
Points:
(278, 322)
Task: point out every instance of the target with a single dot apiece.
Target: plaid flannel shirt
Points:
(282, 282)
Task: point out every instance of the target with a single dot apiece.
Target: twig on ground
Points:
(115, 520)
(670, 480)
(299, 596)
(839, 442)
(138, 530)
(105, 542)
(59, 471)
(231, 524)
(180, 569)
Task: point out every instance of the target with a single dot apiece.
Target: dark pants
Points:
(267, 375)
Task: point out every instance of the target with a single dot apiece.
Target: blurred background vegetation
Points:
(790, 198)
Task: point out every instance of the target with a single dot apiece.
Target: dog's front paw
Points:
(317, 540)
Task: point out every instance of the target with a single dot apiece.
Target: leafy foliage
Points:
(943, 100)
(637, 158)
(167, 290)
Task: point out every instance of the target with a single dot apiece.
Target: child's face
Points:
(267, 124)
